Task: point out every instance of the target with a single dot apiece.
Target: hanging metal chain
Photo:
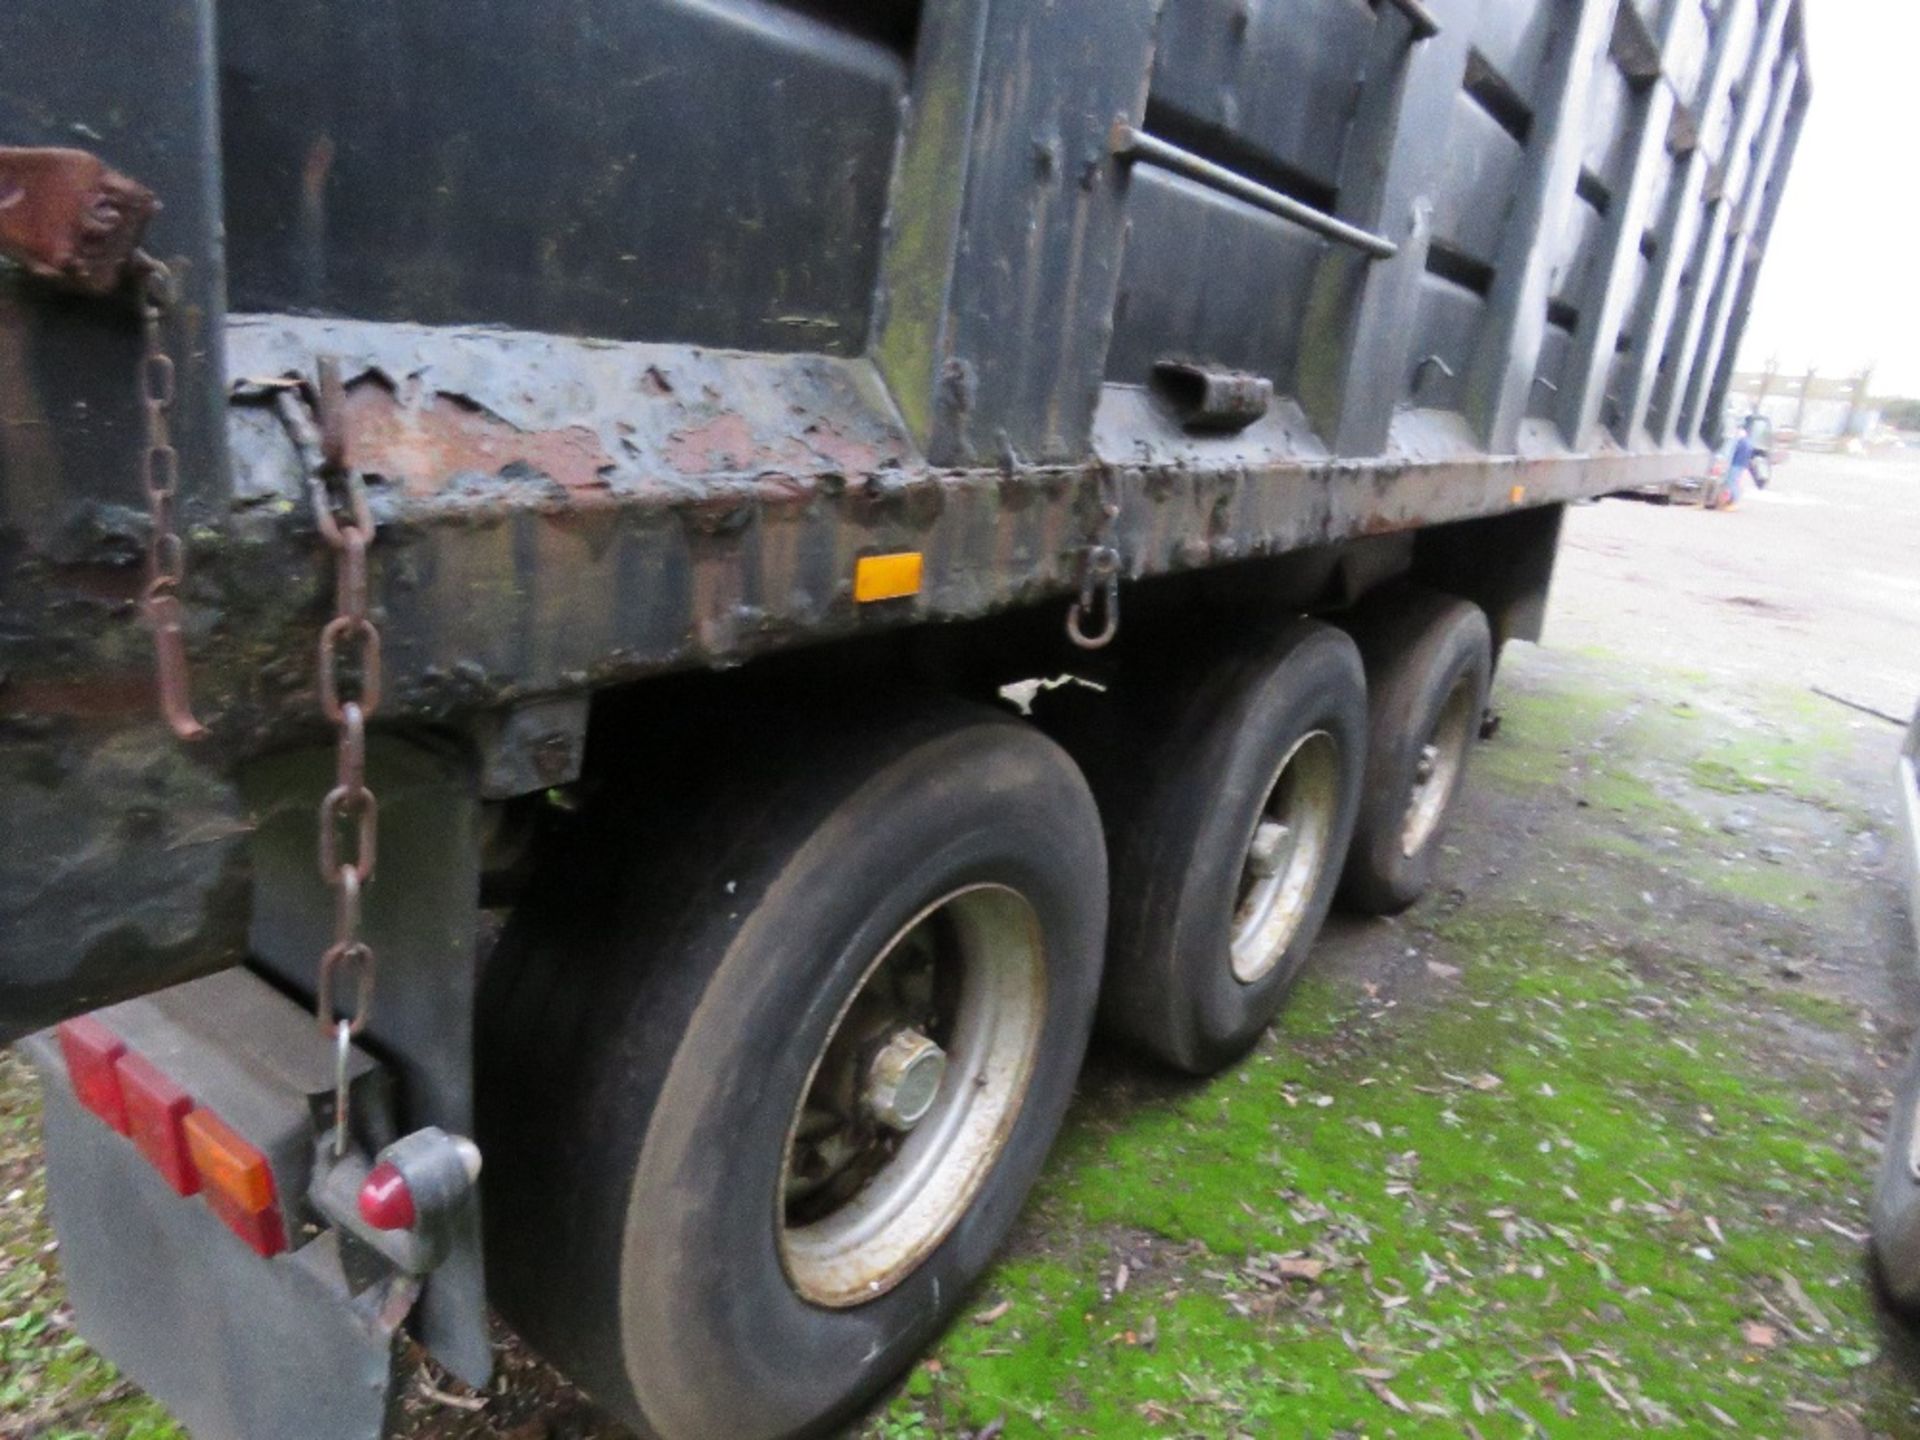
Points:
(349, 690)
(1099, 575)
(160, 479)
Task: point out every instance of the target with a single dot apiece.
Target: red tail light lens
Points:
(91, 1051)
(156, 1111)
(385, 1201)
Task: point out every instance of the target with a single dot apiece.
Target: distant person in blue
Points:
(1739, 463)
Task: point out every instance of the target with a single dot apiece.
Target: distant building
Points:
(1811, 406)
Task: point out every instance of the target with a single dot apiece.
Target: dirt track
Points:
(1814, 581)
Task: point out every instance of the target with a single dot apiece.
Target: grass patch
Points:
(52, 1385)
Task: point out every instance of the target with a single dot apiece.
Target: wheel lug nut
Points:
(904, 1079)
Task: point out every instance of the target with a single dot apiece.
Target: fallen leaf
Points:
(1619, 1400)
(1299, 1267)
(472, 1404)
(1388, 1398)
(1763, 1337)
(1804, 1302)
(987, 1317)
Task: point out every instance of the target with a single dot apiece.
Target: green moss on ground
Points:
(1560, 1195)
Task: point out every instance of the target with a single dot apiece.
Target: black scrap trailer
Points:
(518, 527)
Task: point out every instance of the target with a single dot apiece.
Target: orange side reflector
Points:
(1518, 494)
(227, 1163)
(887, 577)
(237, 1182)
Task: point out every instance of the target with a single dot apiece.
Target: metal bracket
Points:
(1210, 400)
(67, 217)
(423, 919)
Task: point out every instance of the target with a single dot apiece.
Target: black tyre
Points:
(1227, 825)
(1429, 661)
(730, 1193)
(1896, 1202)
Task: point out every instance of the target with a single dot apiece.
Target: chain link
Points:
(160, 481)
(349, 694)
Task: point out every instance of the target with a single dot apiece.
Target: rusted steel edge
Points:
(651, 508)
(529, 595)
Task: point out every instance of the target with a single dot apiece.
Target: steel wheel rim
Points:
(913, 1187)
(1437, 768)
(1278, 877)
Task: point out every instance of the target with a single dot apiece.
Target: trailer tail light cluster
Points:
(195, 1151)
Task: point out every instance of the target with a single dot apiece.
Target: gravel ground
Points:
(1578, 1146)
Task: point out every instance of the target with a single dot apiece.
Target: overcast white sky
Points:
(1841, 287)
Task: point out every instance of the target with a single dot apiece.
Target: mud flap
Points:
(235, 1347)
(299, 1346)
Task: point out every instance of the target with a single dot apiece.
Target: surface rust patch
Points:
(429, 444)
(726, 444)
(841, 450)
(109, 697)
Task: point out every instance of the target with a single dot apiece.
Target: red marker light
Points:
(90, 1050)
(385, 1201)
(156, 1108)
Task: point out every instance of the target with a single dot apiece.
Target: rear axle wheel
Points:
(771, 1060)
(1429, 661)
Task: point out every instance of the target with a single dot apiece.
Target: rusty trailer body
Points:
(651, 322)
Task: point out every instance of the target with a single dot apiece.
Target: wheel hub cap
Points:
(1263, 857)
(912, 1096)
(904, 1080)
(1286, 856)
(1423, 769)
(1436, 770)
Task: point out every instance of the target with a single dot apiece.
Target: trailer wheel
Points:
(1896, 1202)
(767, 1088)
(1429, 661)
(1227, 835)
